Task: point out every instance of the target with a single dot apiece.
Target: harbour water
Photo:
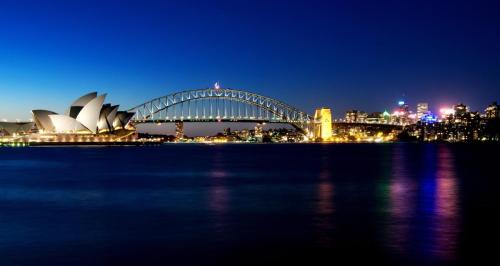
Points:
(239, 204)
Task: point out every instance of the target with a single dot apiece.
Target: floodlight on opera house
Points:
(87, 115)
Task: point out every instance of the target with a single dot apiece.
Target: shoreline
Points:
(130, 144)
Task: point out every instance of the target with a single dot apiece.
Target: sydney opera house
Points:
(87, 120)
(87, 115)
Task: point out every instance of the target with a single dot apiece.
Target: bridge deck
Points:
(189, 120)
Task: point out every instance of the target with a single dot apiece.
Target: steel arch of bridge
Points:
(219, 104)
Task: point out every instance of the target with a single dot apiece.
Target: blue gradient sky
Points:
(341, 54)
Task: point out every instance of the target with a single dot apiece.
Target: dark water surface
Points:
(249, 204)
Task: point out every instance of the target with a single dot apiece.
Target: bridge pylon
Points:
(323, 124)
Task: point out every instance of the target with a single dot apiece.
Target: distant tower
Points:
(323, 124)
(403, 112)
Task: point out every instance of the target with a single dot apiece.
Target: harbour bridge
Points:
(220, 105)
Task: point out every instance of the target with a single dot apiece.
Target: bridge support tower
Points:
(323, 124)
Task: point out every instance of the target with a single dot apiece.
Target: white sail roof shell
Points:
(42, 119)
(112, 114)
(102, 124)
(106, 118)
(85, 99)
(82, 101)
(89, 115)
(66, 124)
(122, 118)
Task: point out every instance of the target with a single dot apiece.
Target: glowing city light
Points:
(429, 118)
(445, 112)
(398, 113)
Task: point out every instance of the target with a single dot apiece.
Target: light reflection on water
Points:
(402, 203)
(325, 204)
(23, 163)
(218, 200)
(446, 220)
(398, 201)
(424, 209)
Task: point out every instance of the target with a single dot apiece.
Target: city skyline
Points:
(340, 114)
(345, 56)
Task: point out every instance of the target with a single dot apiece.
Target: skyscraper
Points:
(460, 109)
(403, 112)
(422, 109)
(492, 111)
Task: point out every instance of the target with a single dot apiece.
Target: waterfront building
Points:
(259, 132)
(243, 134)
(86, 115)
(179, 130)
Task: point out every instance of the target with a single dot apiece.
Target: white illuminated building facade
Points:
(422, 110)
(87, 115)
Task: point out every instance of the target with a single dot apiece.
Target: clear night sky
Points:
(342, 54)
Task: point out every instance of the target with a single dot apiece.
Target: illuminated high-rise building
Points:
(403, 107)
(355, 116)
(323, 126)
(351, 116)
(402, 113)
(422, 110)
(492, 111)
(460, 109)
